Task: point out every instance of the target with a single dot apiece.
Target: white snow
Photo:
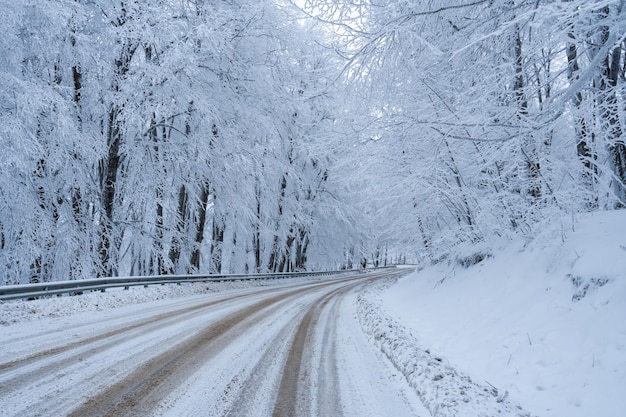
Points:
(535, 327)
(18, 311)
(544, 321)
(386, 392)
(255, 355)
(443, 391)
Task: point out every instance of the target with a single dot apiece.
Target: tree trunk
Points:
(301, 249)
(585, 136)
(181, 222)
(256, 237)
(217, 243)
(528, 147)
(612, 69)
(108, 178)
(203, 203)
(109, 168)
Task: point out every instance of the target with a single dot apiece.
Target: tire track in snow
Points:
(48, 377)
(293, 396)
(309, 384)
(141, 391)
(19, 372)
(288, 368)
(11, 366)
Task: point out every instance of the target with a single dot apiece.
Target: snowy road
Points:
(290, 350)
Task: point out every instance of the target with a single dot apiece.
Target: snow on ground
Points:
(544, 322)
(18, 311)
(443, 391)
(223, 358)
(539, 324)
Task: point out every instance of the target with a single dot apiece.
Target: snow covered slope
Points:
(545, 322)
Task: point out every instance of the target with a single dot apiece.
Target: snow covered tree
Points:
(495, 103)
(156, 137)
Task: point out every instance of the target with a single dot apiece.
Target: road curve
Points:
(290, 350)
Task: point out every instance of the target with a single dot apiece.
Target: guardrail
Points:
(13, 292)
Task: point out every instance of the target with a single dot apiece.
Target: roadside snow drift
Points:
(443, 390)
(545, 322)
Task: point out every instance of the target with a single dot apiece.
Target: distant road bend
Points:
(291, 350)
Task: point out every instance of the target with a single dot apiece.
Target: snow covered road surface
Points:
(289, 350)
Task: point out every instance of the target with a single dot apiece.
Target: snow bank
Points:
(18, 311)
(543, 321)
(444, 391)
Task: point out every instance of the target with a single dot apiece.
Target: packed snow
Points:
(226, 353)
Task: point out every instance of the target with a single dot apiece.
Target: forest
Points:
(227, 136)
